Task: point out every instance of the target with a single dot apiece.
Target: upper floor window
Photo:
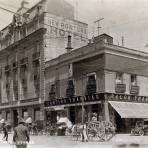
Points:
(133, 80)
(91, 83)
(70, 91)
(119, 78)
(52, 92)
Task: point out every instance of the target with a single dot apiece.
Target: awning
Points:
(130, 109)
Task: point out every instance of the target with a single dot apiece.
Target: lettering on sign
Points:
(63, 27)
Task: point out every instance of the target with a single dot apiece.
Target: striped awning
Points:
(130, 109)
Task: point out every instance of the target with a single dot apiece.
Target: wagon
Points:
(103, 130)
(96, 130)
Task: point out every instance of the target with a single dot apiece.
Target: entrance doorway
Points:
(72, 114)
(15, 118)
(120, 123)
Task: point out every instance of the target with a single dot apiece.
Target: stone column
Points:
(106, 109)
(89, 112)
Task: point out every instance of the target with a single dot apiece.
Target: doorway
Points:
(15, 118)
(120, 123)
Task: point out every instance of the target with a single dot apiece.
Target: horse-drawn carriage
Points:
(95, 130)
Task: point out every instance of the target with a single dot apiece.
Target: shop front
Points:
(126, 114)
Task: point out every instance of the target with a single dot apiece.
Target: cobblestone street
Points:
(43, 141)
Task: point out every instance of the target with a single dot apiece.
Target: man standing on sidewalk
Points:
(5, 131)
(21, 135)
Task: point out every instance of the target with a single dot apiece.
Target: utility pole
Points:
(98, 22)
(122, 38)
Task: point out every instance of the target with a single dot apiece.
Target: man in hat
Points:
(5, 131)
(21, 135)
(94, 117)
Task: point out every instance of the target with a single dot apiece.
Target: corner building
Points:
(36, 35)
(109, 80)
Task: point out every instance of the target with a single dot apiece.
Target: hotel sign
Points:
(62, 27)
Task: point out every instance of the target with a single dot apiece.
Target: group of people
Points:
(20, 136)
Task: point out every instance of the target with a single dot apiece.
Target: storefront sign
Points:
(120, 88)
(134, 89)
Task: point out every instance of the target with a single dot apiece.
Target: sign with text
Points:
(61, 27)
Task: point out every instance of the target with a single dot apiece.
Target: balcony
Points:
(120, 88)
(134, 89)
(36, 56)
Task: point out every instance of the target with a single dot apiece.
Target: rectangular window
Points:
(119, 78)
(70, 91)
(91, 83)
(133, 80)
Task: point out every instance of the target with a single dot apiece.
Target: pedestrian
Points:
(21, 135)
(5, 131)
(94, 117)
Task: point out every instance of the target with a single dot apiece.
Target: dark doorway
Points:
(72, 114)
(53, 117)
(15, 118)
(120, 123)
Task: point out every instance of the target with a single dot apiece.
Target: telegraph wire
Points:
(9, 5)
(67, 32)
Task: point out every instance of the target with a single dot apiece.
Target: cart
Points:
(96, 130)
(102, 131)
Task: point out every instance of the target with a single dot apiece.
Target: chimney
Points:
(69, 48)
(103, 38)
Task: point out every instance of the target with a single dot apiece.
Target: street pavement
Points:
(118, 141)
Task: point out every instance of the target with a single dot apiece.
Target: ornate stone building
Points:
(35, 36)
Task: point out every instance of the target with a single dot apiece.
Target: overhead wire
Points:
(71, 33)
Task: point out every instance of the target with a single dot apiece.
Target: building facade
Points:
(35, 36)
(98, 78)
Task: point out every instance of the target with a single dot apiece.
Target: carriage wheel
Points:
(92, 134)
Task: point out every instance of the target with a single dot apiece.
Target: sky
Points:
(128, 18)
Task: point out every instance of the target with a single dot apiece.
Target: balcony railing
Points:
(120, 88)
